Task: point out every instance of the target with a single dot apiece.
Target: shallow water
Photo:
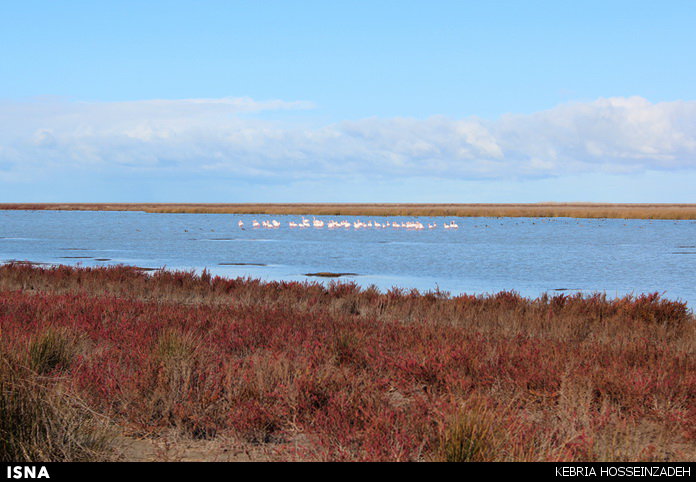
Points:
(528, 255)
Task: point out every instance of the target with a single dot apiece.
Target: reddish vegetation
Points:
(341, 373)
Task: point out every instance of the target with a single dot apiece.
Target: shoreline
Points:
(321, 278)
(204, 368)
(675, 211)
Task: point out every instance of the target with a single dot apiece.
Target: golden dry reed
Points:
(574, 210)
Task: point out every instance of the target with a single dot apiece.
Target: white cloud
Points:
(617, 134)
(235, 136)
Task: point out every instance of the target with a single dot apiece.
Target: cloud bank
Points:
(262, 140)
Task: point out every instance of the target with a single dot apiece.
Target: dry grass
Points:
(472, 434)
(307, 372)
(41, 422)
(576, 210)
(51, 350)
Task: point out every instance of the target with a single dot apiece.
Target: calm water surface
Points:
(528, 255)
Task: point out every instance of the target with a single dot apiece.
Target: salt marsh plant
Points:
(357, 374)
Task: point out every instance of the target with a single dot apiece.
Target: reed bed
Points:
(342, 373)
(574, 210)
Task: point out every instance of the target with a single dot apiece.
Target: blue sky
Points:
(348, 101)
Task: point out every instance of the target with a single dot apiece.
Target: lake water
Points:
(528, 255)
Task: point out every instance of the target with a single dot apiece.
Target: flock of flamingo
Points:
(319, 224)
